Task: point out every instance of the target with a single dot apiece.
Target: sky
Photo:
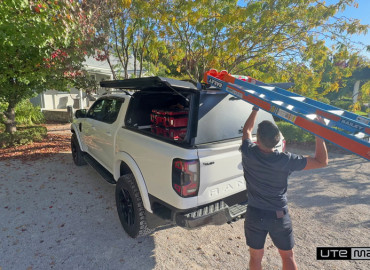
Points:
(363, 14)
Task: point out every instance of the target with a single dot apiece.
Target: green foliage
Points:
(26, 113)
(343, 97)
(253, 37)
(343, 103)
(134, 32)
(43, 44)
(24, 135)
(294, 134)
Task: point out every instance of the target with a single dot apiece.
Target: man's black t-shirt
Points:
(267, 175)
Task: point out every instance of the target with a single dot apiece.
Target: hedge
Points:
(294, 134)
(25, 114)
(23, 135)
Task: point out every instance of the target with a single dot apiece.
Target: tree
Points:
(133, 34)
(345, 95)
(43, 46)
(239, 38)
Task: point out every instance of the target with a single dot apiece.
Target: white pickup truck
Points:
(171, 148)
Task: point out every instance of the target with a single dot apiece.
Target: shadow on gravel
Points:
(55, 215)
(344, 183)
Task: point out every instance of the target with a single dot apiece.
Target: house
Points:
(56, 105)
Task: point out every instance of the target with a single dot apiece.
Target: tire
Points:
(130, 207)
(77, 153)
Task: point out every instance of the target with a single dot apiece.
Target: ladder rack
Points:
(343, 128)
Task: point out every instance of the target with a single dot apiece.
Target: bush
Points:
(24, 135)
(294, 134)
(25, 113)
(343, 103)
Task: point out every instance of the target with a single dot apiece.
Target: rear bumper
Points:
(217, 213)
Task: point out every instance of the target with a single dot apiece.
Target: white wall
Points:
(53, 99)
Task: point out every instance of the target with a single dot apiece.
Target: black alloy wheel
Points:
(126, 206)
(130, 207)
(77, 153)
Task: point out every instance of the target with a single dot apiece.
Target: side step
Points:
(99, 168)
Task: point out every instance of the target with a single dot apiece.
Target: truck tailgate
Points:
(221, 172)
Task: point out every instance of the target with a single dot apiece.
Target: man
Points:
(266, 173)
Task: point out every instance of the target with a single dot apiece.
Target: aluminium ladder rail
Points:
(343, 128)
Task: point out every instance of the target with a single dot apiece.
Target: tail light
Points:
(185, 177)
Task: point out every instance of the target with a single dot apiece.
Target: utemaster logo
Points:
(343, 253)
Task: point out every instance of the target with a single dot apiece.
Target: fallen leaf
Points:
(53, 143)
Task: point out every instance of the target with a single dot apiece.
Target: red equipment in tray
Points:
(169, 118)
(177, 134)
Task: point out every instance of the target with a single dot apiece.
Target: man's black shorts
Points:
(259, 222)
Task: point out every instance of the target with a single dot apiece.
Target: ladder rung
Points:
(337, 112)
(278, 102)
(298, 98)
(271, 88)
(363, 136)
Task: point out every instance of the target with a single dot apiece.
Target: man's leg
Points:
(281, 233)
(255, 234)
(255, 258)
(288, 259)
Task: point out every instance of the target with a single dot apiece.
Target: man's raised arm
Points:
(249, 124)
(321, 154)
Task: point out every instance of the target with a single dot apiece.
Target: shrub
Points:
(294, 134)
(25, 113)
(24, 135)
(343, 103)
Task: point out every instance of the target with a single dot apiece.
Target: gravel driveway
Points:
(55, 215)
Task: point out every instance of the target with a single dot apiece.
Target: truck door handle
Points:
(108, 133)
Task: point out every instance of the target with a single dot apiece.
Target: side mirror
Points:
(81, 113)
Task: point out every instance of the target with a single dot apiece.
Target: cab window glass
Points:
(105, 110)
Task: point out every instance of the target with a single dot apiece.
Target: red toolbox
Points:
(169, 118)
(177, 134)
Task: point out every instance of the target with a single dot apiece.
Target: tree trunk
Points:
(10, 124)
(141, 64)
(110, 64)
(135, 57)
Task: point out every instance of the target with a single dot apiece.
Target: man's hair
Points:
(268, 134)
